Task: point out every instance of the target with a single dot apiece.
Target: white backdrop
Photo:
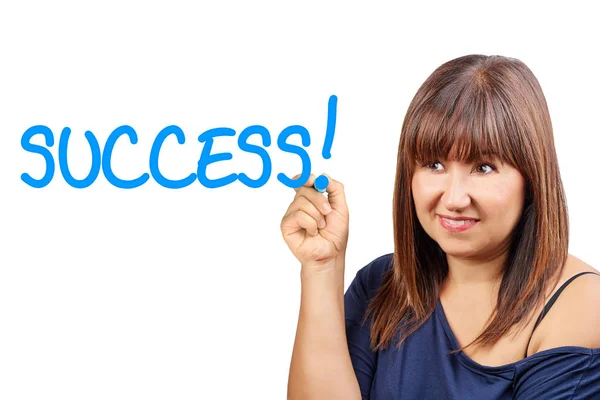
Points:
(152, 293)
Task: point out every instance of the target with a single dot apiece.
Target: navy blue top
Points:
(422, 368)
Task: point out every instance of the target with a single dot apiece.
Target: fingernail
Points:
(326, 208)
(322, 224)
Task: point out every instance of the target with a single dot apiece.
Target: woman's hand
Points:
(315, 234)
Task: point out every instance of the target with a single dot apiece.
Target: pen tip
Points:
(321, 183)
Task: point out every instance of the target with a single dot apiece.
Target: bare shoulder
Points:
(574, 319)
(574, 266)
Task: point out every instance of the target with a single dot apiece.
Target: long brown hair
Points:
(475, 105)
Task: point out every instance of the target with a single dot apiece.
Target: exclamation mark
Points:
(322, 181)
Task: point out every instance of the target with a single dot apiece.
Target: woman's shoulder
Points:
(574, 319)
(370, 277)
(376, 269)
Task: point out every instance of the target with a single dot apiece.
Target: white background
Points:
(153, 293)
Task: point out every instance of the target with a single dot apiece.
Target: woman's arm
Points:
(321, 367)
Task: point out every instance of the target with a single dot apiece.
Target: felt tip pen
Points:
(321, 183)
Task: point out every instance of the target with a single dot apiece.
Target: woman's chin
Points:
(458, 250)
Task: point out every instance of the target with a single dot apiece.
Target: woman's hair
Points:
(475, 106)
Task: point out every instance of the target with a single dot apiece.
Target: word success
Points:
(101, 160)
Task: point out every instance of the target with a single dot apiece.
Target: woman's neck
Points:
(472, 279)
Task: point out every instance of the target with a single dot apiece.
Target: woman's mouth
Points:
(457, 226)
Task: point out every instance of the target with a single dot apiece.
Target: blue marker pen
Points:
(321, 183)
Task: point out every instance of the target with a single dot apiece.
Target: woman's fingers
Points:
(336, 196)
(304, 204)
(315, 226)
(318, 199)
(300, 219)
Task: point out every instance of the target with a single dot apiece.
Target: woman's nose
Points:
(456, 194)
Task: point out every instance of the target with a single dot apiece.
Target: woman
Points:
(480, 299)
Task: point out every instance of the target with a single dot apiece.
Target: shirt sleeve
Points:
(564, 373)
(362, 288)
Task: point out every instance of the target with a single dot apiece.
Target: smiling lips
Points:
(457, 224)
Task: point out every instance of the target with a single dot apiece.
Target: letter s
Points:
(283, 145)
(34, 148)
(250, 148)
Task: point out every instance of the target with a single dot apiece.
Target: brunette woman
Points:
(480, 298)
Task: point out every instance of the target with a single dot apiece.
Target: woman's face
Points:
(490, 194)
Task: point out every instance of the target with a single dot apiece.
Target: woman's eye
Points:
(432, 165)
(487, 170)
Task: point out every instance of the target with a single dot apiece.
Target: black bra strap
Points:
(551, 303)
